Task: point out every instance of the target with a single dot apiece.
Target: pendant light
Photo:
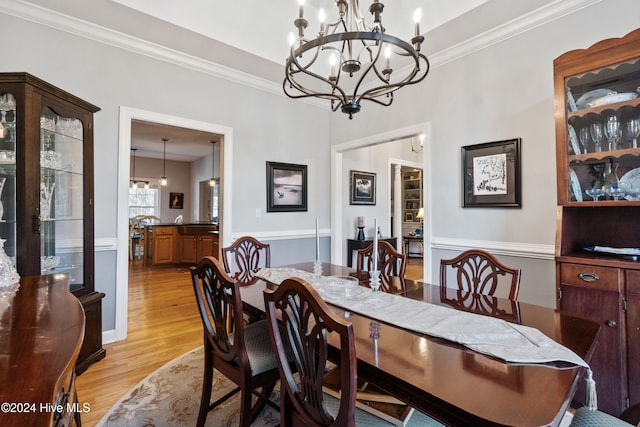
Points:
(133, 182)
(163, 180)
(212, 181)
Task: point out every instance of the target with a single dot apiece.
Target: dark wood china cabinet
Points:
(597, 121)
(46, 191)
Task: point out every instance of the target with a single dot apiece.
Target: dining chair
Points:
(135, 236)
(478, 272)
(300, 323)
(142, 222)
(584, 417)
(244, 258)
(241, 353)
(390, 263)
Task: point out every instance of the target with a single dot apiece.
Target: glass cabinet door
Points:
(8, 174)
(602, 133)
(61, 196)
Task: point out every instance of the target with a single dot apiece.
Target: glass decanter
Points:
(612, 185)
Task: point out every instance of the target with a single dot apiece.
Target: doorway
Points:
(338, 186)
(127, 115)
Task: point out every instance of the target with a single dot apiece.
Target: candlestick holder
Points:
(374, 329)
(317, 268)
(374, 281)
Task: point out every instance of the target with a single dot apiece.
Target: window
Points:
(144, 201)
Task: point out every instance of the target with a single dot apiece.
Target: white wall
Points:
(502, 91)
(266, 126)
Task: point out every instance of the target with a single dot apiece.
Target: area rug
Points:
(170, 397)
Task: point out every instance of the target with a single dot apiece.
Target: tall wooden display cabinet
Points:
(597, 121)
(46, 191)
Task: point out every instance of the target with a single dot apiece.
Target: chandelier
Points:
(350, 61)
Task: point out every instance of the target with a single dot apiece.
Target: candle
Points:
(417, 16)
(375, 245)
(317, 242)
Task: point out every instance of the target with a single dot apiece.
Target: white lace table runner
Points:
(488, 335)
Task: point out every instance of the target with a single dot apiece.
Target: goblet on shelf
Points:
(596, 135)
(595, 193)
(613, 131)
(633, 131)
(584, 138)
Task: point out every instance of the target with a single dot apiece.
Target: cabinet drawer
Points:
(164, 231)
(591, 276)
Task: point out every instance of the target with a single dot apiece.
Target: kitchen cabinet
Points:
(46, 191)
(597, 111)
(194, 247)
(164, 242)
(180, 244)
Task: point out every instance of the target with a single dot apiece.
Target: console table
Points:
(407, 242)
(41, 330)
(354, 245)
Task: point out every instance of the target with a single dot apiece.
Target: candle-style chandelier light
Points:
(351, 61)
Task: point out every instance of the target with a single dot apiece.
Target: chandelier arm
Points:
(392, 87)
(301, 69)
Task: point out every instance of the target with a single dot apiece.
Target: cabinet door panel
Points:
(188, 249)
(163, 250)
(607, 362)
(633, 334)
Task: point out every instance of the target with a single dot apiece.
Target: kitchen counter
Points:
(180, 243)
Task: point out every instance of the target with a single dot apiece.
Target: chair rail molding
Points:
(514, 249)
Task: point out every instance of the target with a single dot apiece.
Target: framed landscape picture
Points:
(363, 188)
(491, 174)
(286, 187)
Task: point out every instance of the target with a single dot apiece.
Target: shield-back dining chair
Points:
(241, 353)
(478, 279)
(390, 263)
(478, 272)
(244, 258)
(299, 322)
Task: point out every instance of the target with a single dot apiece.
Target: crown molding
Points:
(513, 28)
(62, 22)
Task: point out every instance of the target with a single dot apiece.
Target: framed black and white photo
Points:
(363, 188)
(491, 174)
(286, 187)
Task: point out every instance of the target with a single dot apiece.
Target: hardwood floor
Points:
(163, 324)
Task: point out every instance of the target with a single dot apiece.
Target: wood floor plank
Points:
(163, 324)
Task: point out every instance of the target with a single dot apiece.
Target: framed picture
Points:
(363, 188)
(176, 200)
(286, 187)
(408, 217)
(491, 174)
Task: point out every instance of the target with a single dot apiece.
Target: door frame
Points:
(127, 115)
(338, 186)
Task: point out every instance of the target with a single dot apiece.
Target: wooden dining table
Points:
(451, 383)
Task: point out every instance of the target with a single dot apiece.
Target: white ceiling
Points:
(250, 36)
(262, 27)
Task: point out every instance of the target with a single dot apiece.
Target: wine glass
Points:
(613, 131)
(595, 193)
(633, 131)
(596, 135)
(584, 138)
